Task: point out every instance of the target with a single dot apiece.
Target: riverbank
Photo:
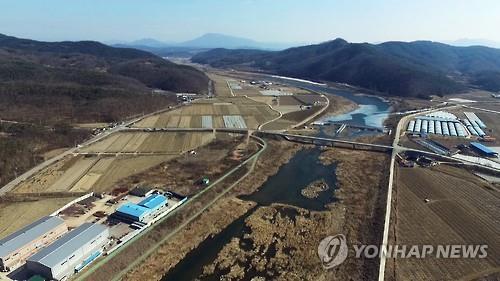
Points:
(339, 105)
(362, 182)
(279, 241)
(217, 217)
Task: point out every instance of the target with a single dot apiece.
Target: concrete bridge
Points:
(329, 142)
(289, 137)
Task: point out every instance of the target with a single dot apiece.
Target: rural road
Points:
(477, 108)
(9, 186)
(144, 255)
(387, 219)
(315, 114)
(26, 175)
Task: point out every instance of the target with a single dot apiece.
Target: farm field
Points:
(100, 172)
(15, 215)
(253, 112)
(82, 174)
(463, 210)
(280, 124)
(265, 99)
(220, 85)
(150, 142)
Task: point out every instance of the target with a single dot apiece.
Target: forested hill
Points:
(90, 80)
(417, 68)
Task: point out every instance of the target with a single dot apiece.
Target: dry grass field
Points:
(463, 209)
(15, 215)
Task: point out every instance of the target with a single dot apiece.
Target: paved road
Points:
(127, 153)
(396, 149)
(291, 136)
(315, 114)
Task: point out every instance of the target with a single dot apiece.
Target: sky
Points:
(262, 20)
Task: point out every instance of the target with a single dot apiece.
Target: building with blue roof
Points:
(133, 211)
(130, 212)
(154, 201)
(484, 150)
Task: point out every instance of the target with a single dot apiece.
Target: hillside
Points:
(88, 81)
(46, 88)
(417, 68)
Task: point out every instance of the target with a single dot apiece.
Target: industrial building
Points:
(474, 124)
(139, 212)
(447, 124)
(17, 247)
(70, 253)
(474, 119)
(437, 125)
(483, 150)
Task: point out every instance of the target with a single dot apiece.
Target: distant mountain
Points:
(179, 52)
(199, 44)
(417, 68)
(87, 80)
(150, 42)
(465, 42)
(215, 40)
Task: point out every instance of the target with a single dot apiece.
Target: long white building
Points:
(70, 253)
(17, 247)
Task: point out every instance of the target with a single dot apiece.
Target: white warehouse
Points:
(70, 253)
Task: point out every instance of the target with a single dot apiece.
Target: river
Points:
(285, 188)
(372, 110)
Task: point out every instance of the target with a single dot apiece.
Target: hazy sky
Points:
(262, 20)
